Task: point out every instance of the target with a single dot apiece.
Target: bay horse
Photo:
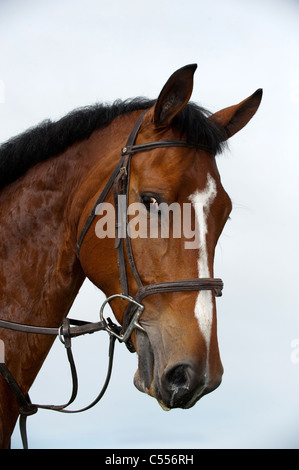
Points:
(51, 179)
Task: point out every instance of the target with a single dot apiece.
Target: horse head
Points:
(176, 211)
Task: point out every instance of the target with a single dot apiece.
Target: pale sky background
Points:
(59, 55)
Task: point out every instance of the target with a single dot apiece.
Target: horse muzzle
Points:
(179, 385)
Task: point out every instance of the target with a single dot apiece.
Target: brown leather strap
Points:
(119, 188)
(199, 284)
(213, 284)
(100, 199)
(108, 186)
(26, 407)
(22, 399)
(162, 144)
(82, 328)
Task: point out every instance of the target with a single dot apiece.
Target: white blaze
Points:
(201, 201)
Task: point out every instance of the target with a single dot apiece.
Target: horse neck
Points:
(39, 217)
(40, 274)
(39, 277)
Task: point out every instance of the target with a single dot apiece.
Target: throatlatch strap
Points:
(100, 199)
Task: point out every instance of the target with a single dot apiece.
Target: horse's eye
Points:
(150, 203)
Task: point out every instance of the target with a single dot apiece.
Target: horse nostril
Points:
(177, 377)
(178, 385)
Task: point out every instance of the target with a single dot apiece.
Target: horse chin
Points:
(151, 393)
(139, 384)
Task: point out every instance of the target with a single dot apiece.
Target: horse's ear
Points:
(174, 96)
(236, 117)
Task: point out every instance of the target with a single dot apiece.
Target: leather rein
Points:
(120, 181)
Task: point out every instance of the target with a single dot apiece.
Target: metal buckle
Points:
(133, 323)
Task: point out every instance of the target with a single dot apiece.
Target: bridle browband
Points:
(120, 181)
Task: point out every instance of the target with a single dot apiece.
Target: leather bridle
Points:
(120, 181)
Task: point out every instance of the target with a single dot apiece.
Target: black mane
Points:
(49, 138)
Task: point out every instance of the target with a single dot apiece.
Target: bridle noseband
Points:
(120, 180)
